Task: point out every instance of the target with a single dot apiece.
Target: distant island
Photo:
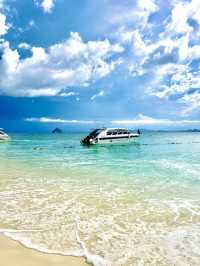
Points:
(192, 130)
(57, 130)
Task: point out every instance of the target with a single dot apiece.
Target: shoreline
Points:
(13, 253)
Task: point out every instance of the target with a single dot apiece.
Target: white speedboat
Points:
(109, 135)
(3, 135)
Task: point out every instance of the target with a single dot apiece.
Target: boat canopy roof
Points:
(108, 128)
(117, 129)
(109, 131)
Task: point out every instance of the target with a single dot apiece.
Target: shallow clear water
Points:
(132, 204)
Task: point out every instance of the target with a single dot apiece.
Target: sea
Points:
(115, 204)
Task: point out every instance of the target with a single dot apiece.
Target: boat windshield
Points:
(94, 133)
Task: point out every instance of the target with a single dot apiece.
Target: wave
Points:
(92, 259)
(95, 260)
(192, 169)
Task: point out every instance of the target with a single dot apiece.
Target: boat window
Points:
(95, 132)
(1, 133)
(117, 132)
(122, 131)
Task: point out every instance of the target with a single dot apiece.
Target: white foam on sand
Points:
(182, 246)
(92, 259)
(15, 235)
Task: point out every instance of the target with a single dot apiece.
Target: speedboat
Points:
(109, 135)
(3, 135)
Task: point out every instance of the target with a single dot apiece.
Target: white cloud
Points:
(48, 72)
(9, 61)
(24, 46)
(144, 10)
(192, 102)
(100, 94)
(184, 86)
(124, 36)
(180, 14)
(46, 5)
(167, 58)
(182, 80)
(139, 14)
(165, 51)
(3, 27)
(146, 120)
(32, 23)
(68, 94)
(140, 120)
(139, 46)
(145, 51)
(118, 14)
(179, 22)
(58, 120)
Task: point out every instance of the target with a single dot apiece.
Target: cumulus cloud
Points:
(58, 120)
(165, 47)
(46, 5)
(137, 12)
(183, 11)
(182, 79)
(168, 57)
(3, 26)
(48, 72)
(192, 101)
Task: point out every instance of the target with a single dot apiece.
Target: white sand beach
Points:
(13, 253)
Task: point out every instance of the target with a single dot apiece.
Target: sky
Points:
(89, 63)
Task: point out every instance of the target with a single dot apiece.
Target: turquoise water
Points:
(131, 204)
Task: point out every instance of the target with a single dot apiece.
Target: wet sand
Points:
(13, 253)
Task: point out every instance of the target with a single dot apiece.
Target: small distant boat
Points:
(109, 135)
(3, 135)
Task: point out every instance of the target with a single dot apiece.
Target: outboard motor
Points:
(86, 140)
(89, 139)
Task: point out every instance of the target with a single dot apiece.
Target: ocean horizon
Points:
(85, 131)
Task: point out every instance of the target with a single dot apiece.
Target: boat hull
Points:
(4, 138)
(116, 140)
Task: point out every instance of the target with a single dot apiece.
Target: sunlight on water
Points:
(134, 204)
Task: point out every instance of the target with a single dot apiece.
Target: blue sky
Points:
(87, 63)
